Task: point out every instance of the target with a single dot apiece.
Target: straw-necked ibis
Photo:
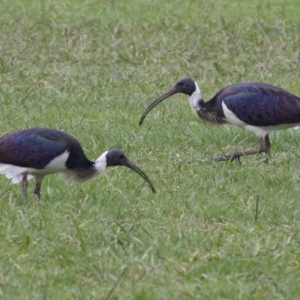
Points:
(258, 107)
(37, 152)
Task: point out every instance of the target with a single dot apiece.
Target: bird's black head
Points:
(185, 85)
(116, 157)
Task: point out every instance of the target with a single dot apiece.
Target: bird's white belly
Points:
(259, 131)
(15, 173)
(262, 131)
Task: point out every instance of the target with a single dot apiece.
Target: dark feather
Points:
(259, 104)
(81, 174)
(36, 147)
(209, 113)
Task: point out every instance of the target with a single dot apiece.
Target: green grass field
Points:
(212, 230)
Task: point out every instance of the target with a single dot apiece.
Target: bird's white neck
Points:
(100, 163)
(195, 98)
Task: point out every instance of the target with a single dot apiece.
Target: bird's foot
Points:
(264, 147)
(231, 157)
(237, 155)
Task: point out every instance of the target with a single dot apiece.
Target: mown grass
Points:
(213, 230)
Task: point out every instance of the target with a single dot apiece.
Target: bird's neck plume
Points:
(205, 110)
(92, 170)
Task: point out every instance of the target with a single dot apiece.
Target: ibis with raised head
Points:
(37, 152)
(258, 107)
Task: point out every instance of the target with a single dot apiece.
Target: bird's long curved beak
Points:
(162, 97)
(129, 164)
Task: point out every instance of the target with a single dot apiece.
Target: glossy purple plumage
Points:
(258, 104)
(37, 147)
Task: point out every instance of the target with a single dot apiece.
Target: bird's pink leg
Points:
(37, 190)
(264, 147)
(24, 185)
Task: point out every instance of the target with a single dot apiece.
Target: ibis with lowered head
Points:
(37, 152)
(258, 107)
